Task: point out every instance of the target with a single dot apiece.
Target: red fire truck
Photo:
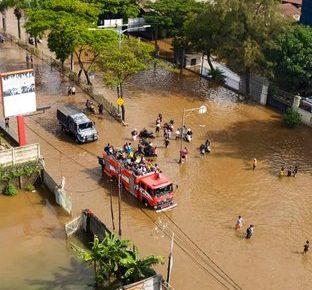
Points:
(153, 189)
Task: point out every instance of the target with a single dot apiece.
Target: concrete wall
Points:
(259, 87)
(58, 189)
(306, 117)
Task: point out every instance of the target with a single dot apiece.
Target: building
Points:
(291, 9)
(306, 16)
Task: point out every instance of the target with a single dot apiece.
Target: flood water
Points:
(213, 191)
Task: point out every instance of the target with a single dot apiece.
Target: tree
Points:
(120, 61)
(69, 26)
(136, 269)
(61, 41)
(208, 30)
(18, 14)
(114, 260)
(169, 16)
(292, 57)
(4, 5)
(113, 9)
(105, 257)
(253, 26)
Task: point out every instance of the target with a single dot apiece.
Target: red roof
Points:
(290, 10)
(296, 2)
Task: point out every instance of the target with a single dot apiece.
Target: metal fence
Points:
(108, 106)
(19, 155)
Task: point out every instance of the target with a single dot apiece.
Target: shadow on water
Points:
(76, 276)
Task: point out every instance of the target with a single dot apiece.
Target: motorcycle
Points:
(187, 134)
(90, 107)
(146, 134)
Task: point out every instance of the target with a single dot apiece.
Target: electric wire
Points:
(95, 174)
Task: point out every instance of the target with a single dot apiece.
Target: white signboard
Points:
(18, 93)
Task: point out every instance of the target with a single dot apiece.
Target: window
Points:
(164, 190)
(193, 61)
(85, 126)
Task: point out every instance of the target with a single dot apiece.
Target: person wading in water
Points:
(249, 231)
(306, 247)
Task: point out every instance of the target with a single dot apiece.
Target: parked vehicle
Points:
(76, 124)
(154, 189)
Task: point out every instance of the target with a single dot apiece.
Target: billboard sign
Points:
(18, 93)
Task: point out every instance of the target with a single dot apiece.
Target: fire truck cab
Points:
(154, 189)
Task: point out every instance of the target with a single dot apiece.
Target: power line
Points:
(187, 252)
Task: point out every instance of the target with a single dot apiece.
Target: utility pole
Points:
(170, 260)
(111, 203)
(181, 143)
(119, 202)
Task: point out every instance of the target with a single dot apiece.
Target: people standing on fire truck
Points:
(106, 148)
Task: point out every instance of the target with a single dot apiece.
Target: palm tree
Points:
(136, 269)
(18, 14)
(4, 5)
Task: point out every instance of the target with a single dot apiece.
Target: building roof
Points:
(289, 10)
(295, 2)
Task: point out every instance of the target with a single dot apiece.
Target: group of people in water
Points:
(132, 160)
(168, 129)
(239, 225)
(290, 172)
(250, 231)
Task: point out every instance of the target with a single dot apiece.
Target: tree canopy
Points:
(207, 31)
(123, 60)
(114, 259)
(170, 15)
(293, 60)
(113, 9)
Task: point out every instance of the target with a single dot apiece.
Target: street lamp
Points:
(201, 110)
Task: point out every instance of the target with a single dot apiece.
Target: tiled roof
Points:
(290, 10)
(296, 2)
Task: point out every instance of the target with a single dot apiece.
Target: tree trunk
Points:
(156, 36)
(209, 61)
(19, 28)
(79, 74)
(121, 90)
(182, 60)
(71, 62)
(247, 81)
(4, 21)
(87, 77)
(202, 64)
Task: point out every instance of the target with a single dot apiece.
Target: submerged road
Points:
(213, 190)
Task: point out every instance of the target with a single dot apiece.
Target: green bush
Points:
(291, 118)
(10, 173)
(217, 75)
(29, 187)
(10, 190)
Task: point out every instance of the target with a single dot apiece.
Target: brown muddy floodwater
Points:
(213, 191)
